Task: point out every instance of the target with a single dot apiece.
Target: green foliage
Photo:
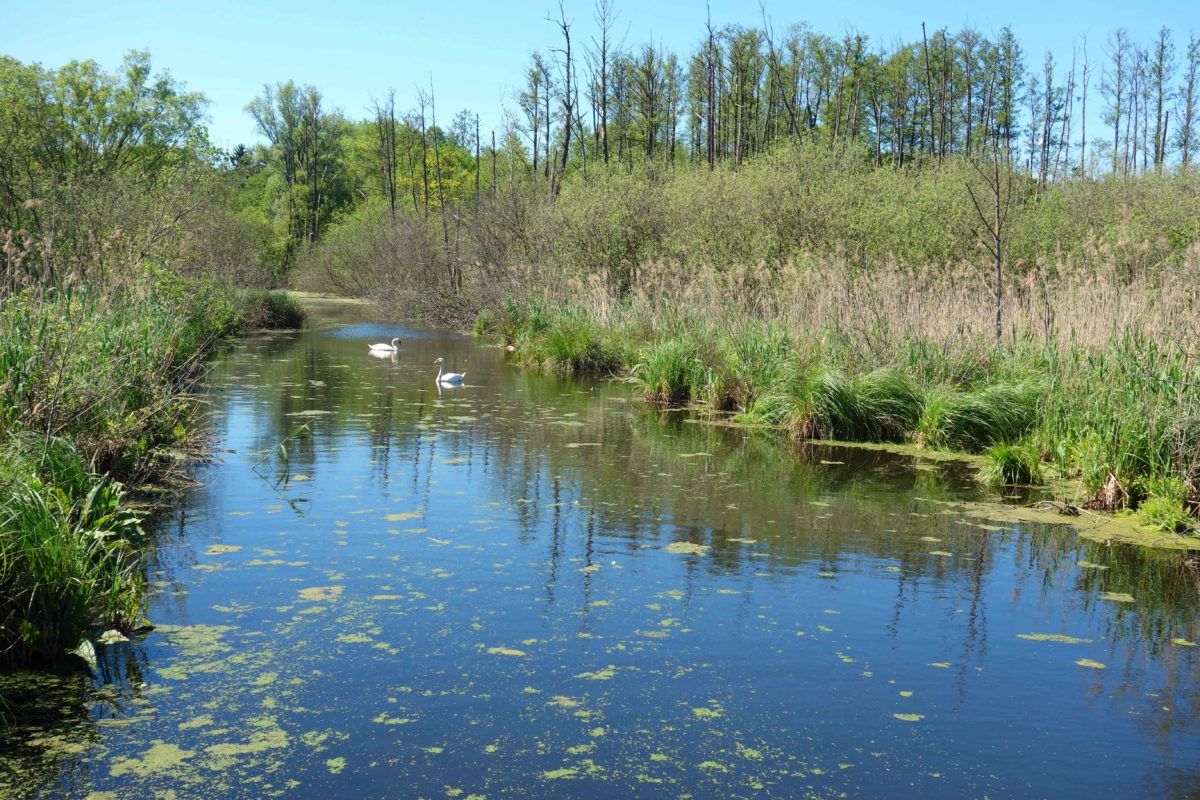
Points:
(271, 309)
(68, 556)
(973, 421)
(670, 372)
(1165, 507)
(1012, 464)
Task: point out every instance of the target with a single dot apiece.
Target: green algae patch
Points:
(405, 516)
(941, 553)
(687, 548)
(161, 757)
(1181, 642)
(505, 651)
(712, 766)
(710, 712)
(1117, 597)
(320, 594)
(201, 721)
(1053, 637)
(599, 675)
(1087, 662)
(749, 753)
(221, 549)
(354, 638)
(941, 664)
(909, 717)
(563, 773)
(335, 765)
(1089, 565)
(906, 694)
(563, 702)
(269, 736)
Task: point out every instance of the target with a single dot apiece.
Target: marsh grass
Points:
(69, 559)
(96, 388)
(975, 420)
(275, 310)
(1016, 464)
(1113, 399)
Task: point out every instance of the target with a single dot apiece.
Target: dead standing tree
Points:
(992, 209)
(385, 131)
(568, 96)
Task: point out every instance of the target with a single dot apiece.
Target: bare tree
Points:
(1189, 97)
(1162, 70)
(385, 132)
(992, 210)
(567, 67)
(601, 59)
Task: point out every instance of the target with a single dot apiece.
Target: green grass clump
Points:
(1164, 507)
(671, 372)
(973, 421)
(816, 402)
(68, 557)
(273, 310)
(1012, 465)
(751, 361)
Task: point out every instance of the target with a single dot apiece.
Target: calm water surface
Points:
(531, 587)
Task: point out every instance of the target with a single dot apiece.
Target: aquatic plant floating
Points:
(1053, 637)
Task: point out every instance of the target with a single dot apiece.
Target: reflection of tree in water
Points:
(657, 478)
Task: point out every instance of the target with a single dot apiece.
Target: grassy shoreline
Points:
(1119, 417)
(97, 404)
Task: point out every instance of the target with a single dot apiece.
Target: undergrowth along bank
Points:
(95, 398)
(1122, 415)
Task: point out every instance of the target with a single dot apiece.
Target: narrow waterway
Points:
(532, 587)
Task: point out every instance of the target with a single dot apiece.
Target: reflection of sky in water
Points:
(529, 587)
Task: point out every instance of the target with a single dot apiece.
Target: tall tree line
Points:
(743, 89)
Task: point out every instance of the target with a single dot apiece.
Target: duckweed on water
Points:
(1053, 637)
(600, 675)
(687, 548)
(1087, 662)
(161, 757)
(505, 651)
(318, 594)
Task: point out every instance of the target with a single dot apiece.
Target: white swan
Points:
(452, 378)
(386, 348)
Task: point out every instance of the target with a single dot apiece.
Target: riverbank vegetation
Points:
(121, 269)
(922, 244)
(929, 242)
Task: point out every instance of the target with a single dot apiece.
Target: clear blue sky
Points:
(475, 50)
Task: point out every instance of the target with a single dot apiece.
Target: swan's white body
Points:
(448, 378)
(386, 348)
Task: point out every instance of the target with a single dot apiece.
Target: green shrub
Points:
(273, 310)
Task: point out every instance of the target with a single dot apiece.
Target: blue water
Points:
(535, 587)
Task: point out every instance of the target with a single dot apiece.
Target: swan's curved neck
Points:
(441, 367)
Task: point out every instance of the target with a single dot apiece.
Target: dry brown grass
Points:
(1082, 300)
